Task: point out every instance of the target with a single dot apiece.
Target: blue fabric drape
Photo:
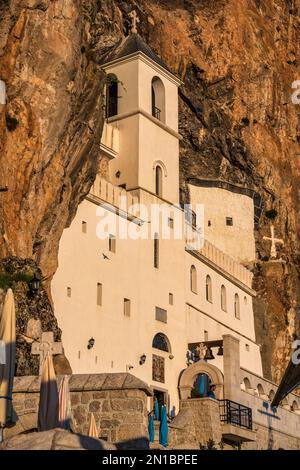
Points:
(163, 428)
(156, 410)
(151, 429)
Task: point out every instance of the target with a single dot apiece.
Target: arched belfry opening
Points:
(158, 99)
(111, 95)
(198, 377)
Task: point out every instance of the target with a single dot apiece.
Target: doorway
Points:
(162, 398)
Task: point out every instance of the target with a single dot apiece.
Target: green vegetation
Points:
(8, 279)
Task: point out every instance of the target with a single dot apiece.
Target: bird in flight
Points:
(104, 256)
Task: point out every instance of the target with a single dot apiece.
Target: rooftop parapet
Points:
(113, 195)
(226, 263)
(110, 140)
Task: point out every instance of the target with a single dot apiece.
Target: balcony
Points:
(110, 140)
(156, 112)
(236, 421)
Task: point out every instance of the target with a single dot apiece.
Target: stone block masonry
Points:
(197, 423)
(118, 402)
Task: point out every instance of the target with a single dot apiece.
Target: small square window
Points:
(127, 307)
(84, 226)
(229, 221)
(112, 243)
(69, 291)
(171, 298)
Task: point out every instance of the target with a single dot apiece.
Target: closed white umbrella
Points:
(48, 405)
(8, 358)
(65, 411)
(93, 432)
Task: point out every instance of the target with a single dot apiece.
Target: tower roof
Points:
(130, 45)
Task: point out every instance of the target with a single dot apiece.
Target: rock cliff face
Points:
(238, 61)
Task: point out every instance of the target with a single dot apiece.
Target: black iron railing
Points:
(156, 112)
(234, 413)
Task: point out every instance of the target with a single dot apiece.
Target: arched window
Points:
(158, 99)
(247, 384)
(193, 279)
(285, 404)
(295, 407)
(271, 395)
(201, 386)
(156, 251)
(111, 96)
(260, 390)
(237, 306)
(161, 342)
(208, 289)
(223, 298)
(158, 180)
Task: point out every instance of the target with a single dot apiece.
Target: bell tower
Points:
(142, 101)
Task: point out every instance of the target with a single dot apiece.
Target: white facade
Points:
(89, 289)
(228, 217)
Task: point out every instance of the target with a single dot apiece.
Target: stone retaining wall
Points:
(118, 401)
(197, 423)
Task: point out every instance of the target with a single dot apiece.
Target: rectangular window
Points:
(83, 226)
(229, 221)
(156, 251)
(69, 291)
(205, 335)
(160, 314)
(171, 222)
(127, 307)
(112, 243)
(247, 347)
(171, 299)
(99, 294)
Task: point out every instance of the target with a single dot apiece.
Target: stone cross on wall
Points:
(135, 21)
(45, 347)
(274, 242)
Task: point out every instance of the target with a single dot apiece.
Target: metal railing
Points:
(156, 112)
(235, 413)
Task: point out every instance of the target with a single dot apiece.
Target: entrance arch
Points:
(189, 375)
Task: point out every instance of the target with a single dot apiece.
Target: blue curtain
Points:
(202, 385)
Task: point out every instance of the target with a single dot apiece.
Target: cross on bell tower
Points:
(134, 21)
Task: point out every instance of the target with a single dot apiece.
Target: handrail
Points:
(234, 413)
